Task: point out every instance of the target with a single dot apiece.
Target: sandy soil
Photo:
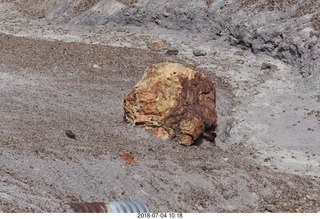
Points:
(54, 78)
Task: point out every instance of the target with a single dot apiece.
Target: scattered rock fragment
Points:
(225, 159)
(199, 52)
(204, 168)
(158, 45)
(70, 134)
(267, 159)
(128, 158)
(270, 208)
(174, 102)
(172, 52)
(268, 66)
(200, 209)
(96, 66)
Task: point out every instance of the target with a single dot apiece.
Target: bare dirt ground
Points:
(56, 77)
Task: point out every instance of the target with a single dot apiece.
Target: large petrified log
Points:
(175, 102)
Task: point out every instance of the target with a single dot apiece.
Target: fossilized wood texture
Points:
(175, 102)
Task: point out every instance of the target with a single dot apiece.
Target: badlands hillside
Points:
(68, 65)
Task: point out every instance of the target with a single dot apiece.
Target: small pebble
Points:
(265, 66)
(270, 208)
(200, 209)
(225, 159)
(96, 66)
(172, 52)
(266, 159)
(70, 134)
(204, 168)
(199, 52)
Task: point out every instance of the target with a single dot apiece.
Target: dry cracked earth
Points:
(64, 67)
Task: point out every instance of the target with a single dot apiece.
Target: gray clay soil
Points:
(68, 65)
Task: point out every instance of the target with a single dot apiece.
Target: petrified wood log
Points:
(174, 102)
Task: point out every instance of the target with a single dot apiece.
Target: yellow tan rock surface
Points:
(174, 102)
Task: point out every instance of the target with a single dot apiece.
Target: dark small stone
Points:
(204, 168)
(270, 208)
(70, 134)
(267, 159)
(268, 66)
(172, 52)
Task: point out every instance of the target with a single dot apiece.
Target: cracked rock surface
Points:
(175, 102)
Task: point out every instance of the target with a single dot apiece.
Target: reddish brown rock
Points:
(174, 102)
(158, 45)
